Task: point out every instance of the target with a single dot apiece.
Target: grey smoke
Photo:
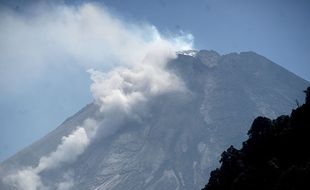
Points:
(92, 37)
(88, 36)
(67, 151)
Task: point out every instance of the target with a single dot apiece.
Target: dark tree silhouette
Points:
(275, 157)
(307, 95)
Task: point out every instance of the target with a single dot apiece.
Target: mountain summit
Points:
(173, 141)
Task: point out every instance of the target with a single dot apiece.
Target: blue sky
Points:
(34, 103)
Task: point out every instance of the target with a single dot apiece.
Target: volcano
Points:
(178, 141)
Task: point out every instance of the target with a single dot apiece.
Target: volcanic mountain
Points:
(174, 141)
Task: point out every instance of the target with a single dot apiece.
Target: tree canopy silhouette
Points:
(275, 156)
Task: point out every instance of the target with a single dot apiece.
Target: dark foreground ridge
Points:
(276, 155)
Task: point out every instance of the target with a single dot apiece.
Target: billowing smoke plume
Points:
(92, 36)
(124, 92)
(67, 151)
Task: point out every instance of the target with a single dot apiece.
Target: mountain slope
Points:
(178, 141)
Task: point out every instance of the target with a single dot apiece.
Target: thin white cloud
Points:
(67, 183)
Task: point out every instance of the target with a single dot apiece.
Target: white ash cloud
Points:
(67, 151)
(25, 179)
(136, 55)
(124, 92)
(88, 36)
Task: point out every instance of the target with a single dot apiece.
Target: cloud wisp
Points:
(88, 36)
(133, 57)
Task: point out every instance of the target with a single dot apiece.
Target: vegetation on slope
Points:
(276, 155)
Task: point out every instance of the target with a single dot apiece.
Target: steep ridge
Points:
(179, 141)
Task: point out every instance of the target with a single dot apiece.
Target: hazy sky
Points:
(34, 103)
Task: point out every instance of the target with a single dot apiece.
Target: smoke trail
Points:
(67, 151)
